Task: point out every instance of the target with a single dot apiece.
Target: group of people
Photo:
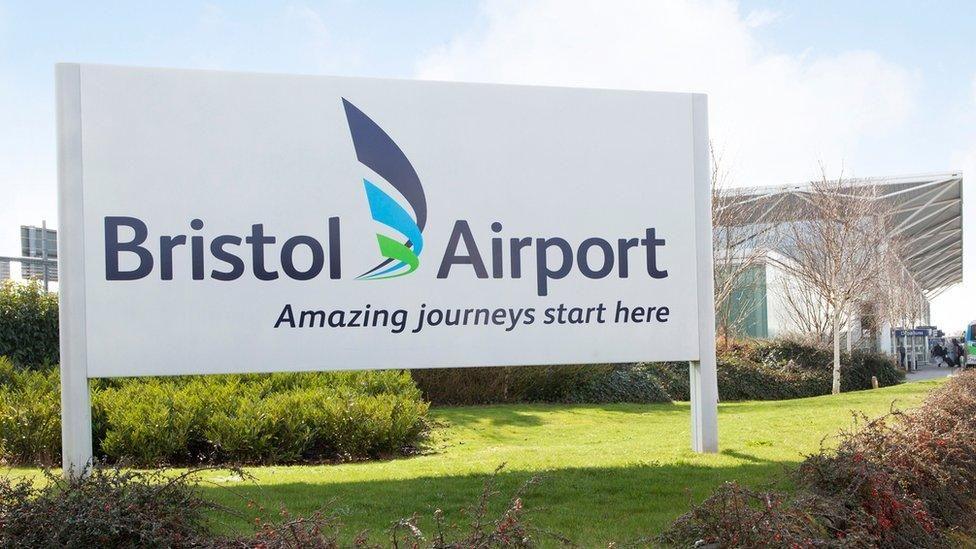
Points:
(950, 356)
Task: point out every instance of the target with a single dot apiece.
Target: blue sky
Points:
(873, 88)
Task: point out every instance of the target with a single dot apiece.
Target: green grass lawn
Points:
(610, 472)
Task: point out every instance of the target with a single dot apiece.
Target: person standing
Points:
(950, 349)
(939, 352)
(959, 352)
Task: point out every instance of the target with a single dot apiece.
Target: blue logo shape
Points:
(377, 151)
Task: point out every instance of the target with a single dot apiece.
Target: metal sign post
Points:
(44, 252)
(704, 374)
(76, 433)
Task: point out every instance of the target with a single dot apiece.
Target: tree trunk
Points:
(836, 387)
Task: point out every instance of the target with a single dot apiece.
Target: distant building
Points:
(927, 219)
(36, 242)
(4, 269)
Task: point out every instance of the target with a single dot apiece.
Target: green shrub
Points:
(30, 415)
(28, 325)
(270, 418)
(567, 384)
(623, 384)
(464, 386)
(780, 369)
(856, 369)
(741, 379)
(148, 421)
(864, 364)
(747, 370)
(673, 378)
(780, 351)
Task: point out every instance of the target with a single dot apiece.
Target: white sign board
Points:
(219, 222)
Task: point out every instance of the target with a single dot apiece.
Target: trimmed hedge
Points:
(563, 384)
(30, 415)
(273, 418)
(28, 325)
(781, 369)
(747, 370)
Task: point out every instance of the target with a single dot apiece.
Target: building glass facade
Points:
(35, 242)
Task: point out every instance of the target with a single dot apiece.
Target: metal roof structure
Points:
(927, 217)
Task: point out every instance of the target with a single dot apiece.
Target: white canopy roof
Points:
(928, 216)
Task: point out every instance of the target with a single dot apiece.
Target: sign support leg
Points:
(76, 427)
(704, 408)
(703, 375)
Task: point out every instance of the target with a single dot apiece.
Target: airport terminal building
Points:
(927, 221)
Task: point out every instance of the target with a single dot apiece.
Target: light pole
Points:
(44, 251)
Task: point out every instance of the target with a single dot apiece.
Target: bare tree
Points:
(837, 245)
(899, 299)
(743, 235)
(806, 314)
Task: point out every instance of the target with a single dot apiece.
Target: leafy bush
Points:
(148, 421)
(780, 369)
(272, 418)
(856, 368)
(747, 370)
(742, 379)
(623, 384)
(565, 384)
(903, 480)
(780, 351)
(30, 415)
(28, 325)
(864, 364)
(108, 508)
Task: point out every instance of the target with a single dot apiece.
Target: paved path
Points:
(930, 372)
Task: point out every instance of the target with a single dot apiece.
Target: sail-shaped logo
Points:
(376, 150)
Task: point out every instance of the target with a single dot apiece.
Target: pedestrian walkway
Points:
(930, 372)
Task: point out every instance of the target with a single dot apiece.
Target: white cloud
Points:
(761, 18)
(774, 115)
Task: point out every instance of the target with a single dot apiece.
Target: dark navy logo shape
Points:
(377, 151)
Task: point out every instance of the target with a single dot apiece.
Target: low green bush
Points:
(270, 418)
(747, 370)
(673, 378)
(28, 325)
(862, 365)
(778, 352)
(856, 369)
(563, 384)
(780, 369)
(741, 379)
(30, 415)
(148, 421)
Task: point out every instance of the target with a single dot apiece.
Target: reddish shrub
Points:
(907, 479)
